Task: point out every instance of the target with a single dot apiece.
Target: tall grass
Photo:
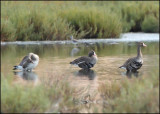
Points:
(21, 98)
(135, 95)
(93, 22)
(140, 16)
(32, 25)
(57, 20)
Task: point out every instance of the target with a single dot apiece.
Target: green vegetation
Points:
(126, 95)
(139, 95)
(20, 98)
(140, 16)
(56, 20)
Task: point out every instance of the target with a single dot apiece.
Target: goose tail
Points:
(17, 67)
(122, 67)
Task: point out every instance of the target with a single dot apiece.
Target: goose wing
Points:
(132, 64)
(135, 64)
(128, 62)
(82, 62)
(25, 61)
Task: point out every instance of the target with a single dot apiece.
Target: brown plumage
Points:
(86, 62)
(135, 63)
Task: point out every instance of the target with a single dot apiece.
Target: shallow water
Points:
(55, 58)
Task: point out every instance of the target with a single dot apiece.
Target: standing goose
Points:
(135, 63)
(28, 63)
(86, 62)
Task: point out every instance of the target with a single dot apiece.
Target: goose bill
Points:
(144, 45)
(94, 54)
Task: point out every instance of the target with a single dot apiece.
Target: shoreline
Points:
(125, 37)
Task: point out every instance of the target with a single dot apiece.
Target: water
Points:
(126, 37)
(55, 58)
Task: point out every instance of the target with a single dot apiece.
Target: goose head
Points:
(33, 57)
(91, 54)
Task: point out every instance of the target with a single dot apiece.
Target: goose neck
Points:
(139, 53)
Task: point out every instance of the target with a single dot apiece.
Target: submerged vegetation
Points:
(56, 20)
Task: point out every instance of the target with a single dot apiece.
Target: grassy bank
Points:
(57, 20)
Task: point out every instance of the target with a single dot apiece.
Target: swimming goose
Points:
(86, 62)
(74, 40)
(135, 63)
(28, 63)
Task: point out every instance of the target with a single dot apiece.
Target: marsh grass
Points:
(140, 16)
(140, 95)
(55, 20)
(107, 25)
(41, 98)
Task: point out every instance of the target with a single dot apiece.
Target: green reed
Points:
(21, 98)
(138, 95)
(57, 20)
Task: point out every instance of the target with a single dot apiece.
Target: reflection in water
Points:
(129, 74)
(86, 72)
(26, 75)
(88, 44)
(74, 51)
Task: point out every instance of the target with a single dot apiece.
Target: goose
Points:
(76, 41)
(85, 62)
(135, 63)
(28, 63)
(73, 40)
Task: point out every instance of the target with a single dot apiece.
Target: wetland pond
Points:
(55, 58)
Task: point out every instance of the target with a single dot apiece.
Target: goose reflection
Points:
(74, 51)
(129, 74)
(86, 72)
(27, 75)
